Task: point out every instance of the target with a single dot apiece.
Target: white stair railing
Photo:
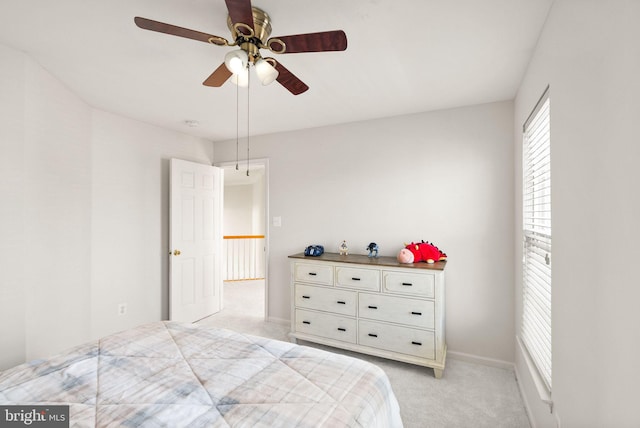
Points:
(244, 257)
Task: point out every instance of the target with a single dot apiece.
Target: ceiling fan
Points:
(250, 29)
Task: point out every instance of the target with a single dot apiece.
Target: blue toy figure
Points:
(373, 250)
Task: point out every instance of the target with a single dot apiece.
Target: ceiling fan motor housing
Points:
(261, 27)
(249, 39)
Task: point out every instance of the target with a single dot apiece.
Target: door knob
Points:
(176, 252)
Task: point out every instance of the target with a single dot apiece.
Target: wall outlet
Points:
(122, 309)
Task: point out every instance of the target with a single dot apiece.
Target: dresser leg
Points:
(438, 373)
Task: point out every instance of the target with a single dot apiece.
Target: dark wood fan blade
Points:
(288, 79)
(241, 13)
(218, 77)
(312, 42)
(161, 27)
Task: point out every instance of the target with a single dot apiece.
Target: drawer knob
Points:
(373, 335)
(312, 273)
(342, 329)
(416, 313)
(408, 284)
(306, 297)
(340, 302)
(372, 307)
(416, 343)
(306, 322)
(355, 279)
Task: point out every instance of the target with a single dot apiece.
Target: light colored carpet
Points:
(468, 395)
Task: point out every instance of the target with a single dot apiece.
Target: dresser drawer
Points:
(402, 310)
(362, 279)
(410, 341)
(326, 325)
(408, 283)
(326, 299)
(318, 274)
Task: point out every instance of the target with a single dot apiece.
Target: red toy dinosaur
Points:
(421, 252)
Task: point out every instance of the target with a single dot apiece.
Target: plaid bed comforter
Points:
(177, 375)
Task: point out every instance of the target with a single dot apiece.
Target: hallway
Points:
(244, 311)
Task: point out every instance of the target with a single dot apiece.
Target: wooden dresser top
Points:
(371, 261)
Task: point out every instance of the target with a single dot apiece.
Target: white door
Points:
(195, 239)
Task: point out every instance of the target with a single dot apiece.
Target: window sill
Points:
(543, 392)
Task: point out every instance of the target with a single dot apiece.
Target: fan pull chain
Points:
(237, 122)
(248, 90)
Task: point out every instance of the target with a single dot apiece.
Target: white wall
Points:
(57, 214)
(238, 209)
(84, 217)
(259, 207)
(12, 209)
(590, 56)
(244, 199)
(130, 218)
(45, 215)
(445, 177)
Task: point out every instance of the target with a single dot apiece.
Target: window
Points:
(536, 264)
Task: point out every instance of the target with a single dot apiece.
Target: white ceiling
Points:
(403, 56)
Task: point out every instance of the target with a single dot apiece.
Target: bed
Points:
(175, 375)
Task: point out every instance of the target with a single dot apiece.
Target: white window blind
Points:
(536, 313)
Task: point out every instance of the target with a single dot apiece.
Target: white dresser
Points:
(375, 306)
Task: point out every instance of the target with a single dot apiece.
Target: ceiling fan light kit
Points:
(236, 61)
(250, 30)
(241, 79)
(266, 72)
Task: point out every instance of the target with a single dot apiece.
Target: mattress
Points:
(174, 374)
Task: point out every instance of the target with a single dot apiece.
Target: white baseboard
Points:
(491, 362)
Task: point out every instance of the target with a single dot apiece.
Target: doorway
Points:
(245, 243)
